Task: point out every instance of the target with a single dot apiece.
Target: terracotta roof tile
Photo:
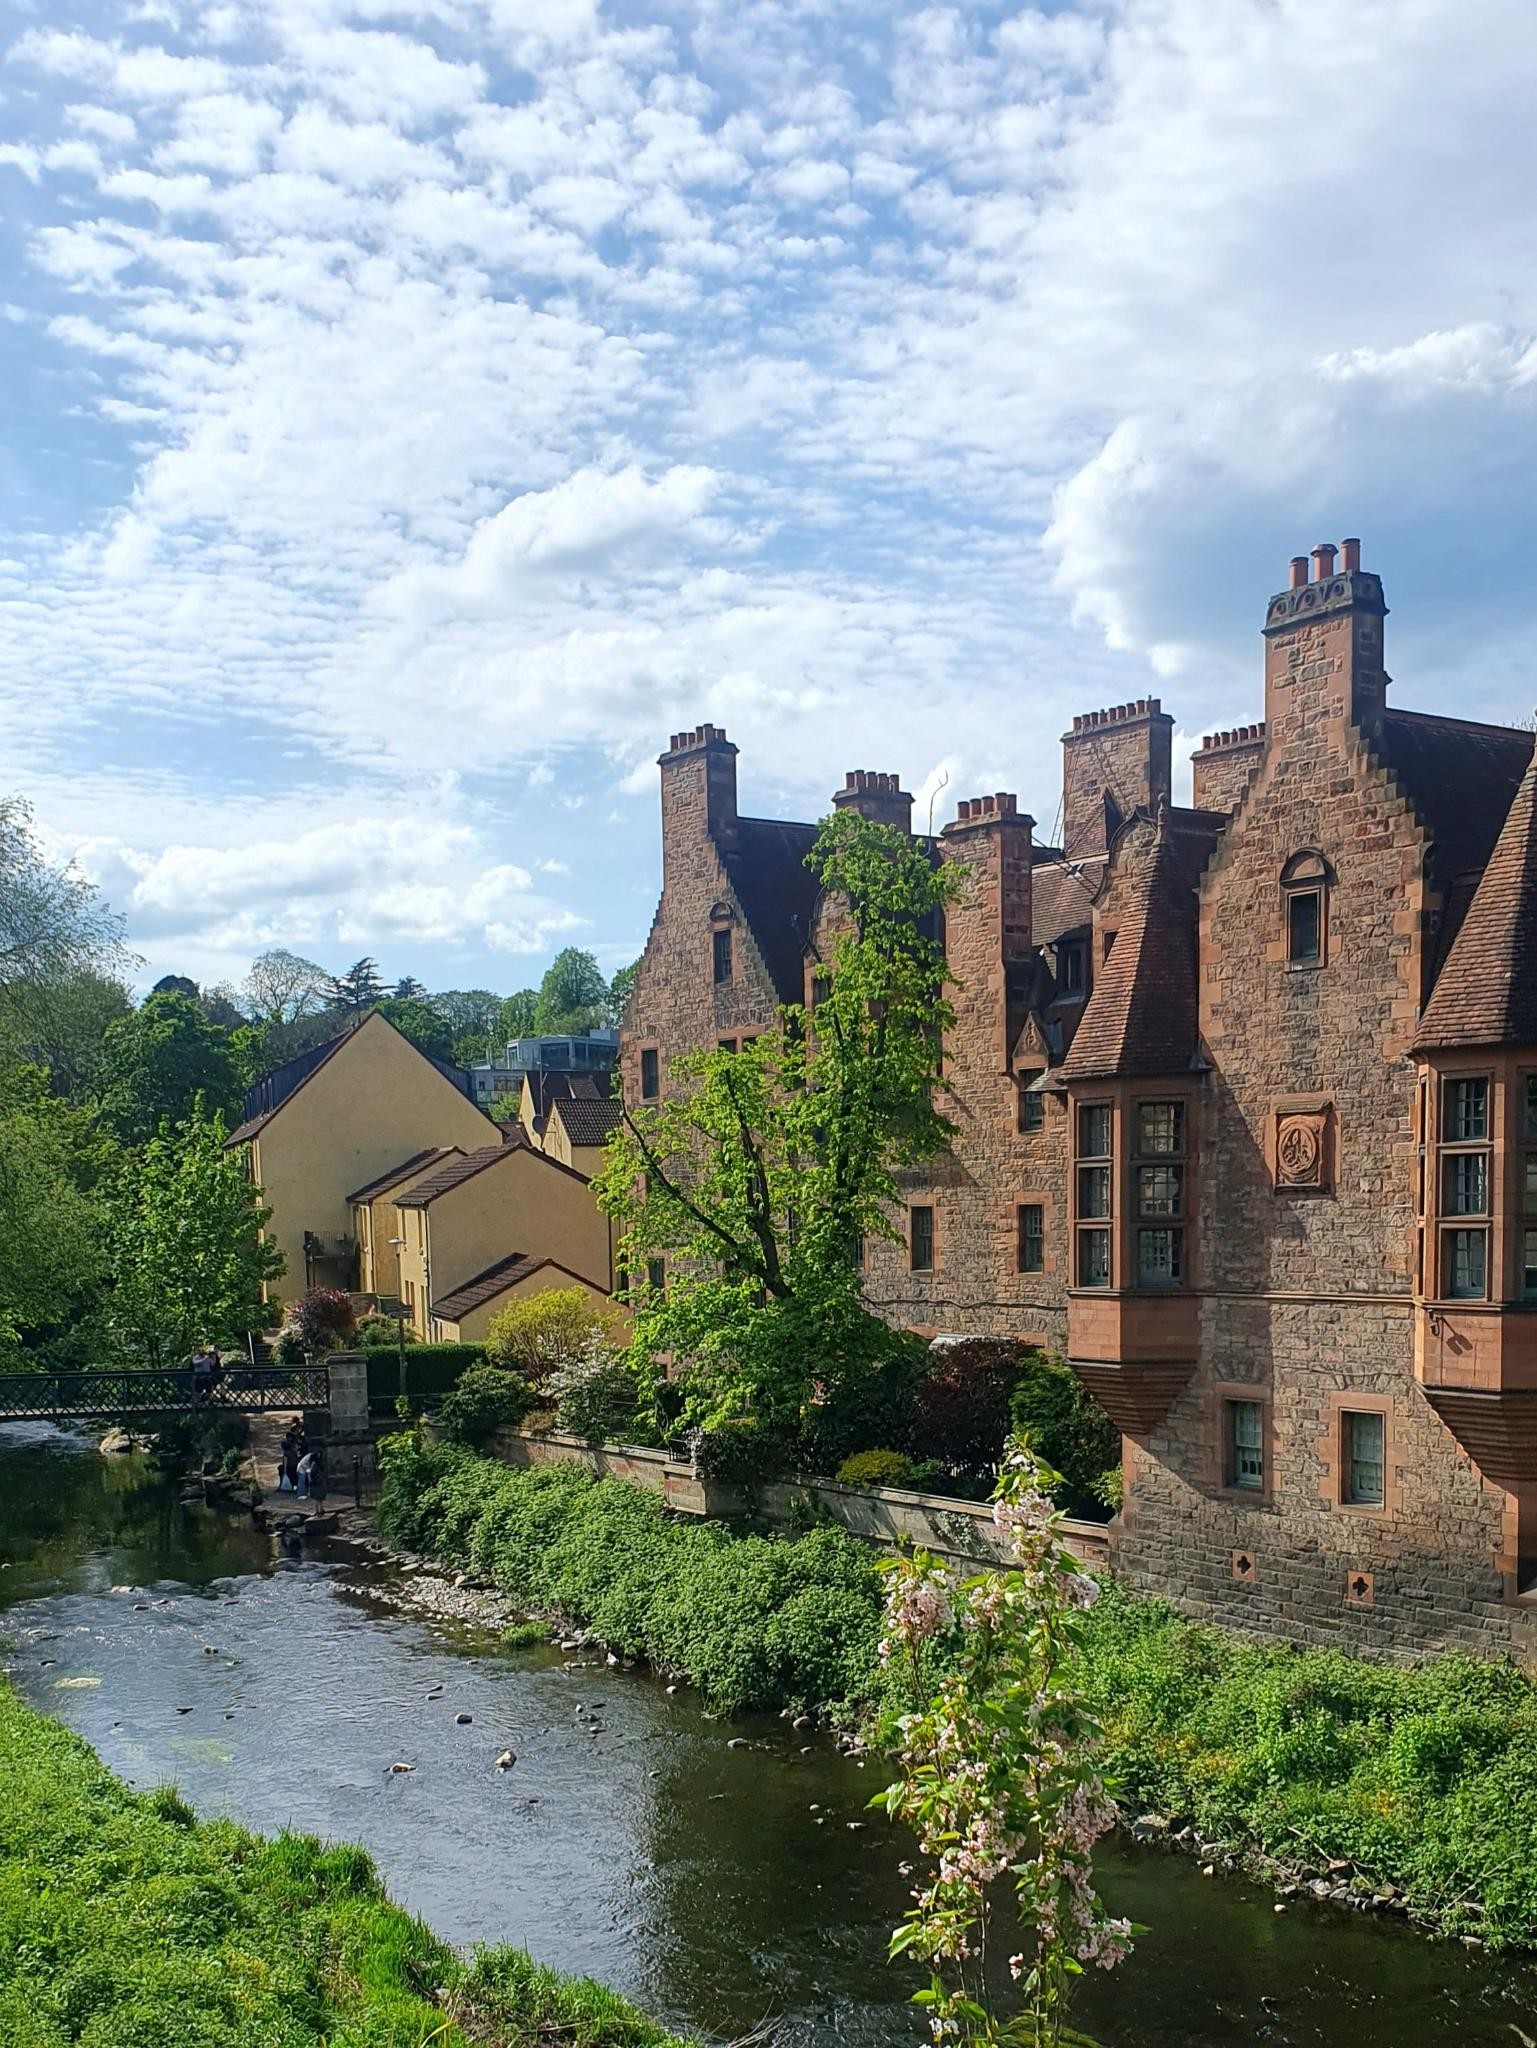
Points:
(1061, 897)
(1142, 1017)
(449, 1175)
(378, 1185)
(1486, 992)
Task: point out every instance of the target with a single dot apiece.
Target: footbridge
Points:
(338, 1384)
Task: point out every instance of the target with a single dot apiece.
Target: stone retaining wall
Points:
(960, 1530)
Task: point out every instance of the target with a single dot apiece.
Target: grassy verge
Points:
(125, 1921)
(1423, 1779)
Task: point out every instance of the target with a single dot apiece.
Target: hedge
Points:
(126, 1921)
(431, 1370)
(1423, 1778)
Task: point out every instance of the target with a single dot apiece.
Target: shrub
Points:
(286, 1348)
(738, 1451)
(322, 1318)
(539, 1335)
(482, 1401)
(961, 1404)
(1067, 1427)
(431, 1370)
(376, 1331)
(877, 1468)
(594, 1393)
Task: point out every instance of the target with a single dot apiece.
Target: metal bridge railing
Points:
(57, 1396)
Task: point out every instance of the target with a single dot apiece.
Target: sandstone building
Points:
(1247, 1097)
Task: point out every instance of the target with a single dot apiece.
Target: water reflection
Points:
(718, 1886)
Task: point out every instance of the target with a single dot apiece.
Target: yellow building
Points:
(498, 1203)
(330, 1122)
(576, 1131)
(463, 1316)
(374, 1222)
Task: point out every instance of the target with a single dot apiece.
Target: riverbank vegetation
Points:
(1420, 1784)
(126, 1921)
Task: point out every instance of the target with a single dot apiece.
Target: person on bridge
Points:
(205, 1370)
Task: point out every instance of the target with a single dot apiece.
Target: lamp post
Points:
(400, 1320)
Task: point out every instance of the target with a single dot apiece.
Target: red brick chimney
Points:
(1323, 642)
(988, 933)
(698, 791)
(1113, 763)
(880, 798)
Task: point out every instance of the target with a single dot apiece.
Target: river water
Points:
(718, 1887)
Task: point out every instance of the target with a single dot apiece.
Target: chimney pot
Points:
(1299, 572)
(1323, 561)
(1350, 550)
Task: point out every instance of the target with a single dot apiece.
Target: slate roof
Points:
(1060, 898)
(493, 1281)
(1141, 1017)
(1486, 992)
(398, 1173)
(588, 1122)
(777, 891)
(549, 1085)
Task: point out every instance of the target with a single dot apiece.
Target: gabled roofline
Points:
(519, 1266)
(243, 1133)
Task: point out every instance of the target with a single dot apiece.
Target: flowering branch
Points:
(997, 1770)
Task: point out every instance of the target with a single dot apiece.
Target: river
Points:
(719, 1887)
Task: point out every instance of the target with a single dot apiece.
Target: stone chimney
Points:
(698, 791)
(988, 933)
(1220, 772)
(1113, 763)
(875, 796)
(1323, 642)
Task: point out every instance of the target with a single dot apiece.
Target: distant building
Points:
(1247, 1107)
(593, 1052)
(321, 1128)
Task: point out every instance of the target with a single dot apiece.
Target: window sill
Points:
(1304, 966)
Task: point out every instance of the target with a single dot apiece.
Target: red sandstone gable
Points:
(1193, 1143)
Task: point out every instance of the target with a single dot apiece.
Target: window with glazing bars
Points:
(1466, 1264)
(721, 942)
(1363, 1458)
(1466, 1106)
(1032, 1104)
(1246, 1445)
(921, 1240)
(650, 1075)
(1032, 1237)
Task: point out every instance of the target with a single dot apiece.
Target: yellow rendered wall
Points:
(471, 1328)
(374, 1102)
(521, 1203)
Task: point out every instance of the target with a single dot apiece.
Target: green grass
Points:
(125, 1922)
(1424, 1777)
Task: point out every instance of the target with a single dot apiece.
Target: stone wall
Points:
(961, 1530)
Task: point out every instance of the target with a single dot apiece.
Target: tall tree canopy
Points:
(184, 1239)
(469, 1012)
(358, 989)
(158, 1061)
(573, 995)
(50, 1223)
(754, 1183)
(518, 1014)
(282, 987)
(619, 991)
(53, 924)
(419, 1022)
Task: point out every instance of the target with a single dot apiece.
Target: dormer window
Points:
(1070, 969)
(1304, 901)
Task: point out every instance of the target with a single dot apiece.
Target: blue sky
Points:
(412, 413)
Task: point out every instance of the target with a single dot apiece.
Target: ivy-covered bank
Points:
(125, 1921)
(1419, 1784)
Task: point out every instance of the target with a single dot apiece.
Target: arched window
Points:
(1305, 908)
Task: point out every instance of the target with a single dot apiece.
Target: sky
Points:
(411, 414)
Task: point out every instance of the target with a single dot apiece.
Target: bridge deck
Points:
(106, 1395)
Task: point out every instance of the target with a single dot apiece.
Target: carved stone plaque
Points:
(1301, 1150)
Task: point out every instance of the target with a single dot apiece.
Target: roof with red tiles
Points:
(1486, 992)
(416, 1163)
(453, 1172)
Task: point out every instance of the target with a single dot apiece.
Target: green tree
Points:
(573, 995)
(469, 1012)
(50, 1221)
(409, 990)
(473, 1049)
(358, 989)
(619, 991)
(419, 1022)
(60, 1024)
(517, 1015)
(53, 923)
(282, 987)
(184, 1241)
(757, 1178)
(158, 1061)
